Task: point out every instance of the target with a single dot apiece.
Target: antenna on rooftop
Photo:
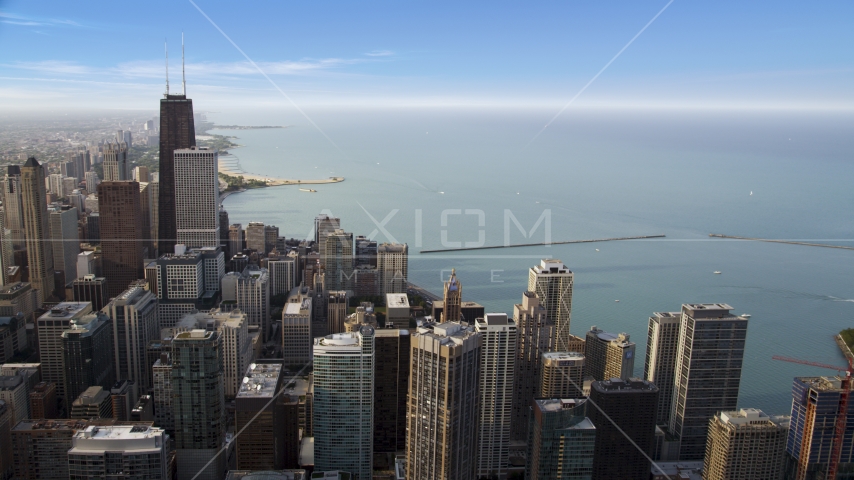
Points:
(183, 76)
(166, 47)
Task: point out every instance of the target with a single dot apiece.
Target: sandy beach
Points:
(273, 181)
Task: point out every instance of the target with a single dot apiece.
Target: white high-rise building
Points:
(197, 197)
(343, 404)
(552, 281)
(128, 451)
(497, 369)
(392, 267)
(116, 165)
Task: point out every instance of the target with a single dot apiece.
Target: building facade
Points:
(746, 444)
(608, 355)
(87, 348)
(391, 384)
(134, 317)
(197, 197)
(37, 229)
(177, 131)
(121, 235)
(561, 441)
(660, 365)
(561, 375)
(552, 281)
(392, 264)
(343, 403)
(708, 372)
(130, 451)
(497, 370)
(444, 396)
(50, 327)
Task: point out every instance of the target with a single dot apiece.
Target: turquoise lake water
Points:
(594, 174)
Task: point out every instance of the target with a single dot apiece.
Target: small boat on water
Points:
(717, 272)
(307, 190)
(745, 315)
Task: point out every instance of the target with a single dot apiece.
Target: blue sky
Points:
(703, 54)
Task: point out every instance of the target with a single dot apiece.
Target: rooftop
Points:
(624, 386)
(126, 438)
(399, 300)
(67, 311)
(551, 265)
(563, 356)
(260, 380)
(558, 404)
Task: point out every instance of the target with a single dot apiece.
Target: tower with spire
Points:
(177, 131)
(453, 299)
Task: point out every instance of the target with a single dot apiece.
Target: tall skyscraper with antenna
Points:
(177, 131)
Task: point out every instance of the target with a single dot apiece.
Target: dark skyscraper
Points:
(631, 404)
(121, 235)
(391, 385)
(177, 130)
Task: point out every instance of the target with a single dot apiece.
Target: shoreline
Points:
(269, 181)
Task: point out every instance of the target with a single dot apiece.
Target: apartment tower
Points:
(552, 281)
(197, 197)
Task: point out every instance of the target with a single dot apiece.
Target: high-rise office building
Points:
(812, 432)
(90, 288)
(562, 440)
(283, 274)
(323, 226)
(87, 347)
(116, 165)
(50, 327)
(366, 253)
(65, 241)
(161, 373)
(497, 368)
(233, 328)
(391, 383)
(37, 229)
(185, 281)
(708, 373)
(198, 404)
(50, 460)
(7, 465)
(145, 205)
(121, 235)
(271, 237)
(552, 281)
(94, 402)
(253, 298)
(337, 303)
(54, 184)
(236, 239)
(336, 260)
(196, 197)
(452, 299)
(343, 404)
(13, 336)
(13, 207)
(746, 444)
(256, 238)
(608, 355)
(140, 174)
(631, 404)
(134, 318)
(392, 267)
(18, 298)
(91, 179)
(660, 365)
(223, 230)
(536, 336)
(177, 131)
(296, 328)
(444, 396)
(130, 451)
(272, 441)
(13, 391)
(43, 401)
(561, 375)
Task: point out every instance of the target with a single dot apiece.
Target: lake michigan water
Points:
(593, 174)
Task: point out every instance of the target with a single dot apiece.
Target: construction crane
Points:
(841, 417)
